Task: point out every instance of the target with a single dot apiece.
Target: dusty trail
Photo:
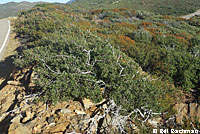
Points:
(191, 15)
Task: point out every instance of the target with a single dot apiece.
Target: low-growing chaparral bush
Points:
(63, 46)
(142, 36)
(135, 58)
(164, 7)
(79, 68)
(71, 63)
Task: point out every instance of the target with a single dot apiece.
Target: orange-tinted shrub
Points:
(161, 24)
(125, 40)
(85, 23)
(153, 31)
(146, 24)
(106, 20)
(98, 11)
(181, 39)
(119, 10)
(126, 25)
(103, 35)
(184, 35)
(180, 19)
(123, 14)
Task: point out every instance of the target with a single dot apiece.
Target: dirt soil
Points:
(191, 15)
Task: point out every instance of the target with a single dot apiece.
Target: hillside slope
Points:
(139, 67)
(164, 7)
(12, 8)
(135, 58)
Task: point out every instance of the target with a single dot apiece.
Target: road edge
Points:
(6, 39)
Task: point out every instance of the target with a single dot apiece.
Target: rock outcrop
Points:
(187, 111)
(19, 114)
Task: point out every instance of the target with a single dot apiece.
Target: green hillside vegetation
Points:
(164, 7)
(195, 21)
(132, 57)
(12, 8)
(78, 63)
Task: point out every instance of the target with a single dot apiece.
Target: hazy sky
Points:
(61, 1)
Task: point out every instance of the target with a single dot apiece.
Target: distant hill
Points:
(71, 1)
(164, 7)
(12, 8)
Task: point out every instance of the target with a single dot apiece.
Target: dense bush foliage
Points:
(98, 54)
(164, 46)
(142, 36)
(12, 8)
(164, 7)
(74, 58)
(136, 58)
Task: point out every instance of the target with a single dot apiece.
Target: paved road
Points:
(4, 34)
(191, 15)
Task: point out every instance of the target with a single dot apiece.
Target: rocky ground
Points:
(20, 113)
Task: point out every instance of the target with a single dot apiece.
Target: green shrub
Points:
(110, 14)
(195, 46)
(69, 67)
(142, 36)
(143, 14)
(74, 58)
(59, 49)
(76, 69)
(169, 42)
